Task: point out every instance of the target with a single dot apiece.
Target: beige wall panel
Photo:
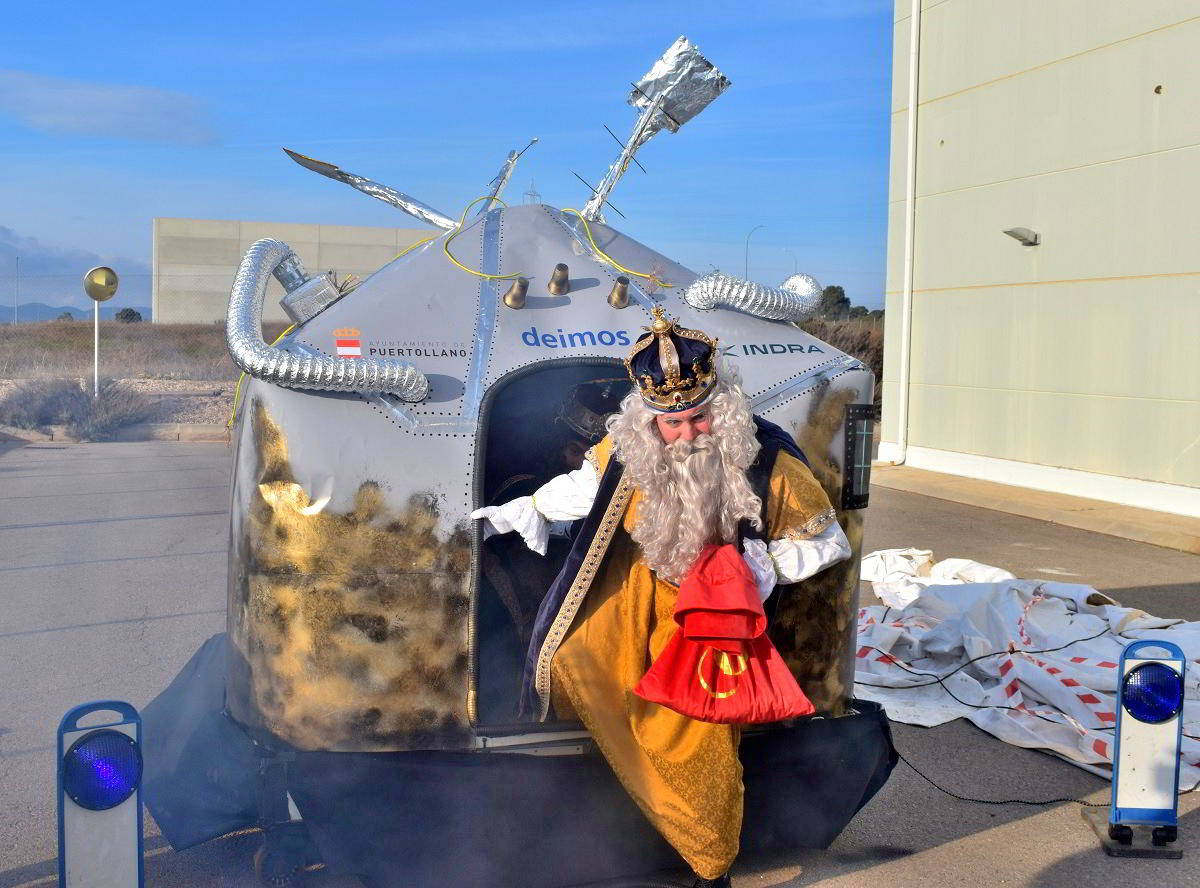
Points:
(1098, 338)
(898, 157)
(900, 39)
(219, 228)
(895, 247)
(965, 43)
(362, 259)
(1087, 110)
(197, 250)
(210, 275)
(1126, 437)
(1128, 218)
(287, 232)
(191, 307)
(195, 260)
(356, 235)
(890, 384)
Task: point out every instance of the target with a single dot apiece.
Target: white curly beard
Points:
(692, 492)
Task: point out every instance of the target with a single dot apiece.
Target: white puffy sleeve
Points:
(563, 498)
(791, 560)
(568, 497)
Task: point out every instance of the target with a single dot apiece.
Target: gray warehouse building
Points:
(195, 260)
(1043, 286)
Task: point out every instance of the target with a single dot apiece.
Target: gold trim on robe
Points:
(684, 774)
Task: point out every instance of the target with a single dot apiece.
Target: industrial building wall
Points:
(195, 260)
(1078, 119)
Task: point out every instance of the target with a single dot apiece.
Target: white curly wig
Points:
(692, 492)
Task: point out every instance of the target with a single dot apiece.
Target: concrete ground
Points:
(112, 572)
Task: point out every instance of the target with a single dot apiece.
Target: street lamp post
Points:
(746, 268)
(100, 283)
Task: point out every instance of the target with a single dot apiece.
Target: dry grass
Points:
(861, 338)
(41, 403)
(156, 351)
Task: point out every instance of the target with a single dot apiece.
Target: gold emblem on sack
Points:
(726, 667)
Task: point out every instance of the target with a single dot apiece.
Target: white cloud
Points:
(57, 105)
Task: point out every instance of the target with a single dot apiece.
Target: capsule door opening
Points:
(535, 423)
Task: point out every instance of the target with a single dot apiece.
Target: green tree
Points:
(834, 305)
(858, 311)
(129, 316)
(65, 316)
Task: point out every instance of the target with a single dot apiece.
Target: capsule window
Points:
(860, 430)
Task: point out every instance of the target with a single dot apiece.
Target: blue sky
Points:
(113, 113)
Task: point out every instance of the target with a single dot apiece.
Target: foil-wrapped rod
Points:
(243, 338)
(685, 81)
(500, 180)
(679, 86)
(797, 300)
(388, 195)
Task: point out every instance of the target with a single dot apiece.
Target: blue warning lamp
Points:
(102, 769)
(100, 797)
(1149, 730)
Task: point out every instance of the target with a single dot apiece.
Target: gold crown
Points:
(347, 331)
(676, 392)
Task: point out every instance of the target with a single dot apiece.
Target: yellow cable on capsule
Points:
(458, 230)
(419, 243)
(652, 278)
(237, 392)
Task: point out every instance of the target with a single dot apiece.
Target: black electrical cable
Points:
(963, 798)
(940, 680)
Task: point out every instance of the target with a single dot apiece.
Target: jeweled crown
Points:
(673, 367)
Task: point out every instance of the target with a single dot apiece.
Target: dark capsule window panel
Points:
(856, 480)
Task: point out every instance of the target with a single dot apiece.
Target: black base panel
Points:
(417, 819)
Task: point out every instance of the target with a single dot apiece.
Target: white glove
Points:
(759, 561)
(518, 515)
(794, 560)
(799, 559)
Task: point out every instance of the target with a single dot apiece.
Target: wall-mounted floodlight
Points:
(100, 798)
(1026, 236)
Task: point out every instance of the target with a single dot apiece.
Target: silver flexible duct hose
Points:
(719, 290)
(243, 337)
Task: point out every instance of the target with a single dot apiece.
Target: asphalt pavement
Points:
(112, 572)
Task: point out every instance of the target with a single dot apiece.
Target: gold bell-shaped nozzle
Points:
(560, 280)
(515, 297)
(618, 297)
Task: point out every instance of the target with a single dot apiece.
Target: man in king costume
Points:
(684, 465)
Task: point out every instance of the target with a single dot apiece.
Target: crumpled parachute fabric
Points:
(938, 615)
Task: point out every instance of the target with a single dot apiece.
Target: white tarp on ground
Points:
(938, 616)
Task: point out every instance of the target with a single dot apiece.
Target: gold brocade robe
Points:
(684, 774)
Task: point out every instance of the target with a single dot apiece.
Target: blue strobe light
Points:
(102, 769)
(1152, 693)
(1148, 733)
(100, 797)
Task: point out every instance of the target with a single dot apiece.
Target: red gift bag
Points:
(719, 666)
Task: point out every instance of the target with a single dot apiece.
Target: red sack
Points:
(719, 666)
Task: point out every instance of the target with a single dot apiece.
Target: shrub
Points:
(40, 403)
(128, 316)
(861, 338)
(116, 408)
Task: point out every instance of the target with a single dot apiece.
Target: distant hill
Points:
(31, 312)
